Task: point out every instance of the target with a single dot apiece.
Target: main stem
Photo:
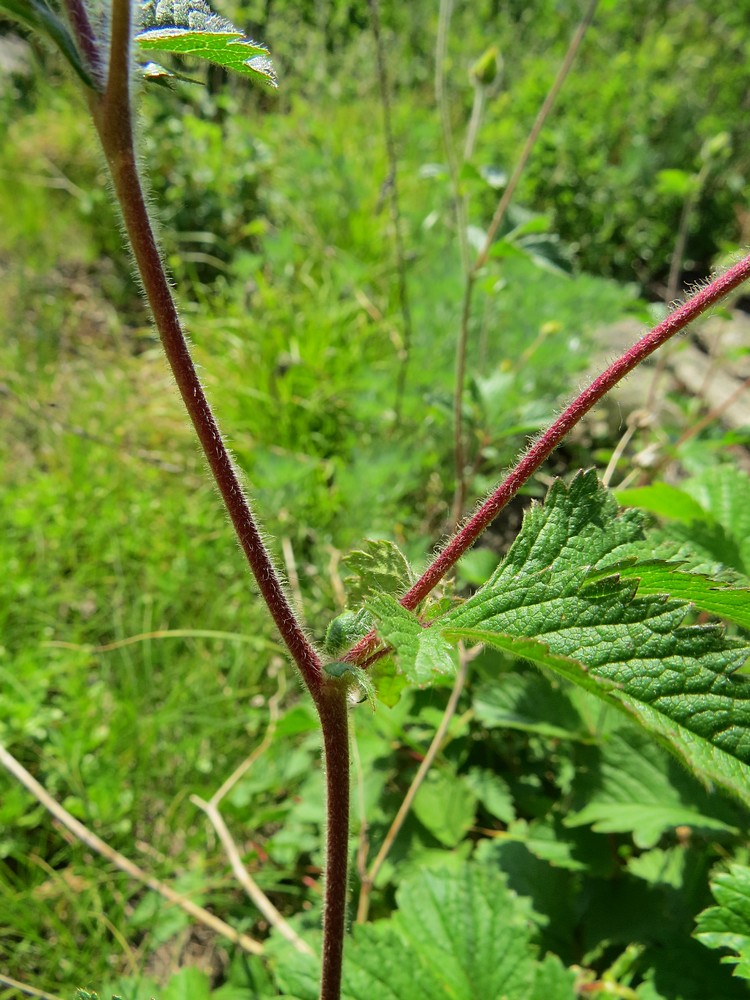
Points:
(113, 119)
(112, 115)
(334, 718)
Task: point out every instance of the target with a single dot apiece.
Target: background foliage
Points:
(272, 208)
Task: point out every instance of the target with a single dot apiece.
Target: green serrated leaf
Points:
(677, 680)
(472, 929)
(380, 566)
(421, 652)
(729, 603)
(191, 28)
(728, 924)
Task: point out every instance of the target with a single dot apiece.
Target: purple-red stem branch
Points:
(113, 118)
(112, 114)
(546, 444)
(85, 37)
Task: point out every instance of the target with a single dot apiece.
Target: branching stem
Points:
(85, 38)
(546, 444)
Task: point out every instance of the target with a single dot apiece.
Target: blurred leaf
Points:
(187, 984)
(665, 501)
(492, 791)
(725, 493)
(635, 787)
(445, 805)
(676, 183)
(728, 924)
(528, 702)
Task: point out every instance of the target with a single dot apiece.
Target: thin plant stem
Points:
(245, 879)
(363, 906)
(292, 575)
(634, 421)
(472, 272)
(166, 633)
(29, 991)
(241, 770)
(112, 115)
(546, 444)
(670, 295)
(683, 231)
(459, 203)
(542, 448)
(441, 97)
(395, 207)
(90, 839)
(363, 844)
(211, 809)
(477, 111)
(536, 128)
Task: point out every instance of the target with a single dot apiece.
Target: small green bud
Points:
(487, 67)
(345, 630)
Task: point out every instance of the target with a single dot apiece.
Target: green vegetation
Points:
(138, 669)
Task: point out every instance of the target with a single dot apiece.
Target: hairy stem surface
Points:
(113, 118)
(334, 718)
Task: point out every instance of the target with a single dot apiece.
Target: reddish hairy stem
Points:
(113, 118)
(546, 444)
(334, 719)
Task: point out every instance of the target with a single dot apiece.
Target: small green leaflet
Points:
(422, 651)
(557, 600)
(379, 566)
(728, 924)
(191, 28)
(346, 629)
(355, 679)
